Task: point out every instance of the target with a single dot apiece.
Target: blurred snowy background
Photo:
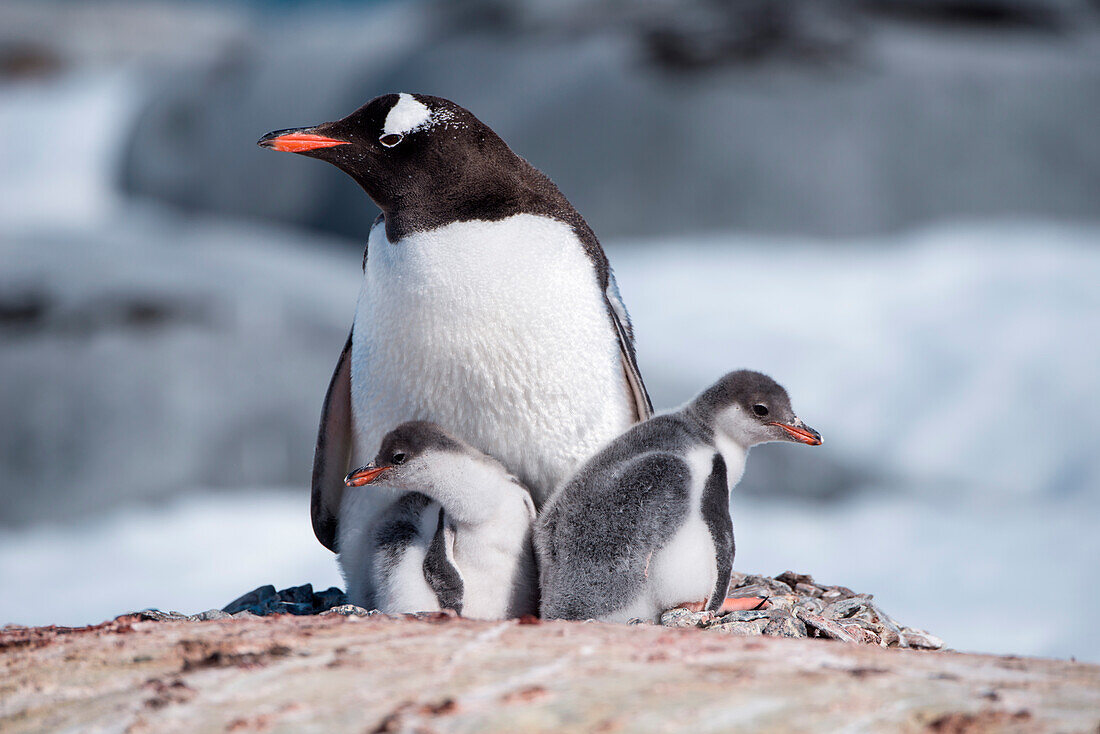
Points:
(893, 206)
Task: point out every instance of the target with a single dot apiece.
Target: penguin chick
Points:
(644, 525)
(477, 560)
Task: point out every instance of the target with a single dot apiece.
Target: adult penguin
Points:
(487, 307)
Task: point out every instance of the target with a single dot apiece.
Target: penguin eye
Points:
(399, 458)
(760, 410)
(390, 140)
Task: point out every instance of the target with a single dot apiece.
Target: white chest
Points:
(498, 332)
(685, 569)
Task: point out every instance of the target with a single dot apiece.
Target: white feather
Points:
(498, 332)
(406, 115)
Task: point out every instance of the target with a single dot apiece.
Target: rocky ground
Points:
(297, 660)
(437, 672)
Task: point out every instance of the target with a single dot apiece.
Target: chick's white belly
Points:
(685, 570)
(498, 332)
(376, 578)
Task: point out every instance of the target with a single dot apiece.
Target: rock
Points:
(862, 634)
(309, 674)
(254, 600)
(826, 627)
(807, 589)
(774, 586)
(155, 615)
(743, 629)
(679, 617)
(329, 598)
(297, 594)
(811, 605)
(244, 614)
(844, 608)
(792, 579)
(349, 610)
(286, 607)
(212, 614)
(921, 639)
(783, 624)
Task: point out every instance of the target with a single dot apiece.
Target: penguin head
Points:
(750, 408)
(406, 453)
(408, 151)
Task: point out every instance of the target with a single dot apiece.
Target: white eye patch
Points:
(406, 115)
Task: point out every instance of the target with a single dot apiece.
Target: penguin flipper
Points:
(440, 571)
(643, 406)
(715, 504)
(333, 452)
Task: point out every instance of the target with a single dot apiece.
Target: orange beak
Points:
(294, 141)
(364, 475)
(805, 434)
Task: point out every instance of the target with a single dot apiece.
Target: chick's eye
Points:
(399, 458)
(390, 140)
(760, 410)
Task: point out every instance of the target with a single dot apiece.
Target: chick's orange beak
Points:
(364, 475)
(803, 433)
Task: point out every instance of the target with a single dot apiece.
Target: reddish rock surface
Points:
(379, 674)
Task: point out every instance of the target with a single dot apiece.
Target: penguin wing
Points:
(333, 452)
(715, 506)
(440, 570)
(643, 406)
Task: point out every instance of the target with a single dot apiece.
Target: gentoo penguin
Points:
(477, 559)
(487, 306)
(644, 525)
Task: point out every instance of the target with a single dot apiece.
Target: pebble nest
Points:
(794, 606)
(797, 606)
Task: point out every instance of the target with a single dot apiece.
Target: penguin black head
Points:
(403, 448)
(750, 408)
(417, 156)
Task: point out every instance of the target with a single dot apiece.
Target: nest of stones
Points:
(797, 606)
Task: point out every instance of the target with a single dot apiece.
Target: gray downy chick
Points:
(644, 525)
